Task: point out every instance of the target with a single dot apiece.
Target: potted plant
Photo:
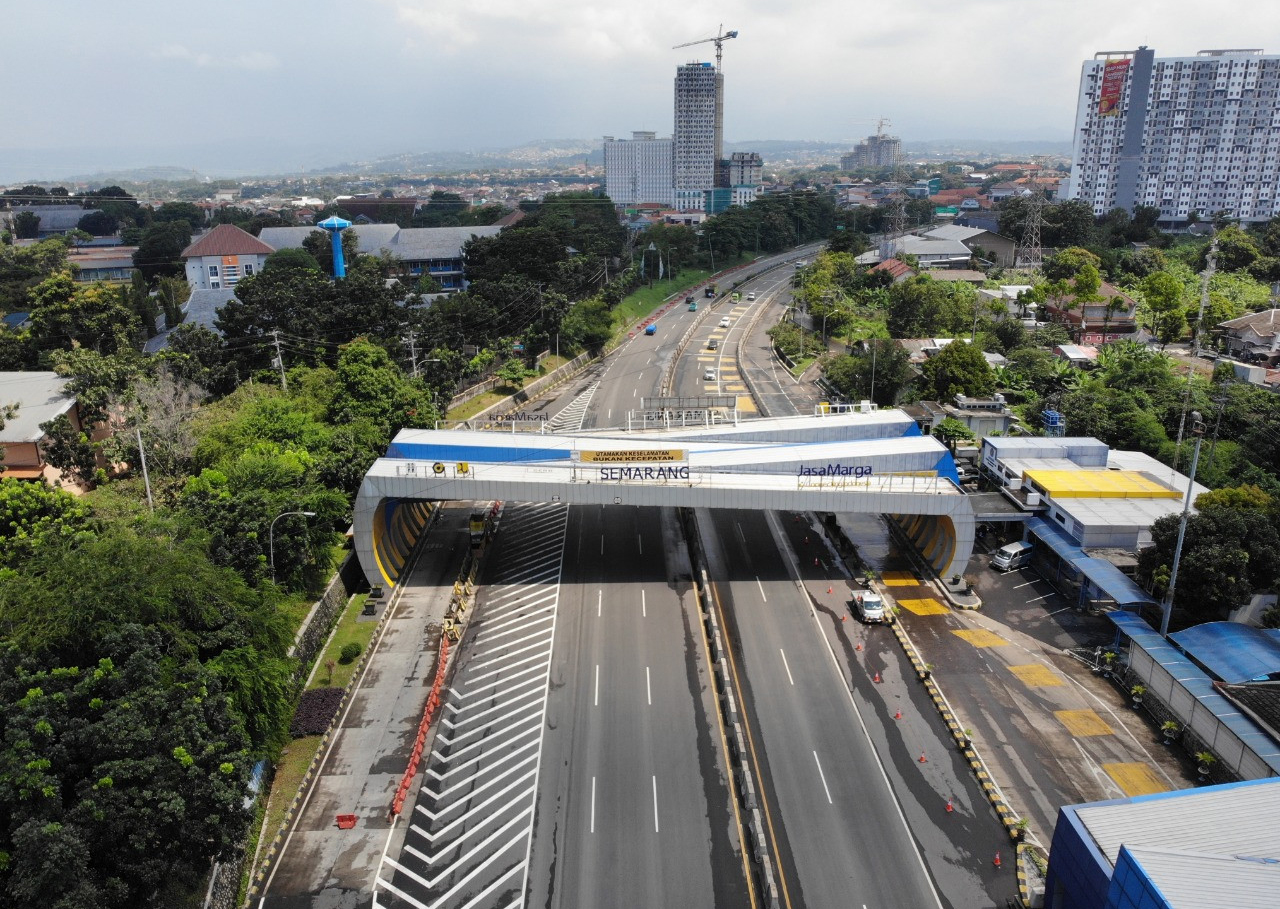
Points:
(966, 741)
(1108, 662)
(1204, 763)
(1019, 831)
(926, 672)
(1170, 730)
(1136, 692)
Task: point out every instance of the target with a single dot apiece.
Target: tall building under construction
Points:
(875, 151)
(698, 136)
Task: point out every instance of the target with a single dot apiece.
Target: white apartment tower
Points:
(1183, 134)
(638, 169)
(697, 139)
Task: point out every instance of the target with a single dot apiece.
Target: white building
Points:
(697, 139)
(1184, 134)
(223, 256)
(638, 169)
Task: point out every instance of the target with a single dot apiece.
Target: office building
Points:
(874, 151)
(1184, 134)
(698, 137)
(638, 169)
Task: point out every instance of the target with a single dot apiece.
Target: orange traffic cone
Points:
(830, 590)
(949, 807)
(859, 647)
(923, 759)
(845, 618)
(877, 679)
(996, 860)
(898, 715)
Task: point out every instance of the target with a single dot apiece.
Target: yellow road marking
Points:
(925, 606)
(979, 637)
(1033, 675)
(735, 388)
(745, 404)
(1083, 723)
(899, 579)
(1135, 779)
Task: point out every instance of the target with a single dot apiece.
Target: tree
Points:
(65, 314)
(70, 450)
(26, 225)
(958, 369)
(922, 307)
(952, 432)
(443, 209)
(1242, 498)
(1237, 250)
(34, 515)
(160, 249)
(196, 356)
(181, 212)
(588, 325)
(881, 378)
(98, 223)
(291, 257)
(1068, 264)
(371, 387)
(1163, 295)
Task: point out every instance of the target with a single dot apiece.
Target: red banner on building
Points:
(1112, 87)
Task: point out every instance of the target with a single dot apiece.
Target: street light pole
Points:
(271, 537)
(1166, 607)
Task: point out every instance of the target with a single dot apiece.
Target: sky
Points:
(271, 86)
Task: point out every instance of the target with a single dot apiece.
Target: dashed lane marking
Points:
(1033, 675)
(1083, 723)
(1135, 779)
(980, 637)
(924, 606)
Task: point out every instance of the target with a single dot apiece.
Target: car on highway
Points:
(709, 374)
(691, 299)
(751, 296)
(713, 344)
(870, 608)
(725, 322)
(652, 329)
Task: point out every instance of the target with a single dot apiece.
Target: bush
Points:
(316, 709)
(349, 652)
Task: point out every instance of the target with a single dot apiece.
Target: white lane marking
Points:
(634, 392)
(741, 536)
(648, 691)
(602, 544)
(640, 543)
(786, 667)
(599, 602)
(1020, 586)
(597, 685)
(824, 778)
(610, 415)
(593, 804)
(761, 586)
(1038, 599)
(644, 609)
(655, 804)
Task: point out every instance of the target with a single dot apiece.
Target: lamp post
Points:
(271, 537)
(1166, 606)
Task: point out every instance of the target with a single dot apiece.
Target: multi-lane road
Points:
(585, 760)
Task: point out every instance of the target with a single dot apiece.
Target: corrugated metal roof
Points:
(1233, 652)
(1233, 819)
(1193, 880)
(1102, 574)
(40, 396)
(1103, 484)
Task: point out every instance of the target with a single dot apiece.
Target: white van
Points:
(1011, 556)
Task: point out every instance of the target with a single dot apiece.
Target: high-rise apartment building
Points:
(698, 136)
(1183, 134)
(875, 151)
(638, 169)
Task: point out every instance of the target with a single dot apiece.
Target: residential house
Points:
(1113, 318)
(1006, 302)
(223, 256)
(16, 321)
(40, 397)
(983, 416)
(1254, 337)
(434, 251)
(896, 269)
(103, 263)
(1077, 355)
(978, 240)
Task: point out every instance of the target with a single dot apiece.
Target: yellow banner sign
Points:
(655, 456)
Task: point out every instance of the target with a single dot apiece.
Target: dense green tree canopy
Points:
(958, 369)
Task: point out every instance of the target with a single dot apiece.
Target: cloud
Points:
(249, 60)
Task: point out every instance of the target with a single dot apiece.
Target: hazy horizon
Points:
(257, 89)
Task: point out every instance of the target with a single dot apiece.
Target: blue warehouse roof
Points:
(1233, 652)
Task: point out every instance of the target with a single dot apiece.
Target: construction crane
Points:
(719, 38)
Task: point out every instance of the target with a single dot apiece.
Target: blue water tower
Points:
(335, 226)
(1054, 424)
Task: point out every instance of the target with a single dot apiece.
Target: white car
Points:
(725, 322)
(751, 296)
(709, 374)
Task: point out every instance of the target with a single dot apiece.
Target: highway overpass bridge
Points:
(876, 462)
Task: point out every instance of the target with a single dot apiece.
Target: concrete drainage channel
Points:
(743, 777)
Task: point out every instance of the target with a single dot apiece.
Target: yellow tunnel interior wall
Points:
(397, 525)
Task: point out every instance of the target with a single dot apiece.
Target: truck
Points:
(709, 290)
(870, 607)
(478, 527)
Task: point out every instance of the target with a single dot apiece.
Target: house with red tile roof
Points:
(223, 256)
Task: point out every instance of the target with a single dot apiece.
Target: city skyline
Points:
(287, 87)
